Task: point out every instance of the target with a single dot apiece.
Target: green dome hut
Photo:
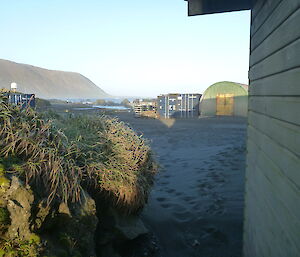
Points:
(225, 98)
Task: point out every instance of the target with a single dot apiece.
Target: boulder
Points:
(117, 227)
(84, 224)
(64, 228)
(130, 227)
(42, 210)
(18, 199)
(71, 229)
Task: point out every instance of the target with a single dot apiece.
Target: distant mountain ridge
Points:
(48, 83)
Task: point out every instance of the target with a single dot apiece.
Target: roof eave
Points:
(200, 7)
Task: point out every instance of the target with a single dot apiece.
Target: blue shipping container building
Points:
(23, 100)
(178, 105)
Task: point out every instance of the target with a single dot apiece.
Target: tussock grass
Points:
(61, 154)
(116, 161)
(44, 154)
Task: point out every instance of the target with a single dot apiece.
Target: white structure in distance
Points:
(14, 86)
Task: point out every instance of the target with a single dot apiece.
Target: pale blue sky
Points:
(139, 48)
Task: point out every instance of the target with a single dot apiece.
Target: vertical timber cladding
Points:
(272, 224)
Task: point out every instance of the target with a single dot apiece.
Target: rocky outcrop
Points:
(73, 229)
(123, 227)
(62, 231)
(19, 200)
(76, 225)
(115, 230)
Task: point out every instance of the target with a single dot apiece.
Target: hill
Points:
(48, 83)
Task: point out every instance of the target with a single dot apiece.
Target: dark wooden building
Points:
(272, 202)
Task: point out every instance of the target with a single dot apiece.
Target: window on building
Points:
(172, 107)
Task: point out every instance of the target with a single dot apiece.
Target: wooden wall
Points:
(272, 212)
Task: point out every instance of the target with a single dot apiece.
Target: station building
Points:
(178, 105)
(225, 98)
(20, 99)
(145, 107)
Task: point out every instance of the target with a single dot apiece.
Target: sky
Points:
(128, 48)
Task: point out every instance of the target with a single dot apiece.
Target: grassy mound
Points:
(32, 148)
(60, 155)
(116, 161)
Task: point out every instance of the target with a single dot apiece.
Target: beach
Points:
(196, 204)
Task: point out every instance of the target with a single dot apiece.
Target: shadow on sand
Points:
(196, 205)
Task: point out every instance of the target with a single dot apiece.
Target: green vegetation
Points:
(63, 154)
(106, 102)
(103, 102)
(42, 103)
(4, 216)
(21, 248)
(43, 153)
(4, 181)
(4, 90)
(126, 103)
(116, 160)
(60, 155)
(18, 248)
(34, 238)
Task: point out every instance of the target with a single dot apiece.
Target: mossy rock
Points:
(34, 239)
(4, 182)
(4, 216)
(66, 240)
(2, 172)
(18, 248)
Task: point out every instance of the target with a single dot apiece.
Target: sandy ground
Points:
(196, 205)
